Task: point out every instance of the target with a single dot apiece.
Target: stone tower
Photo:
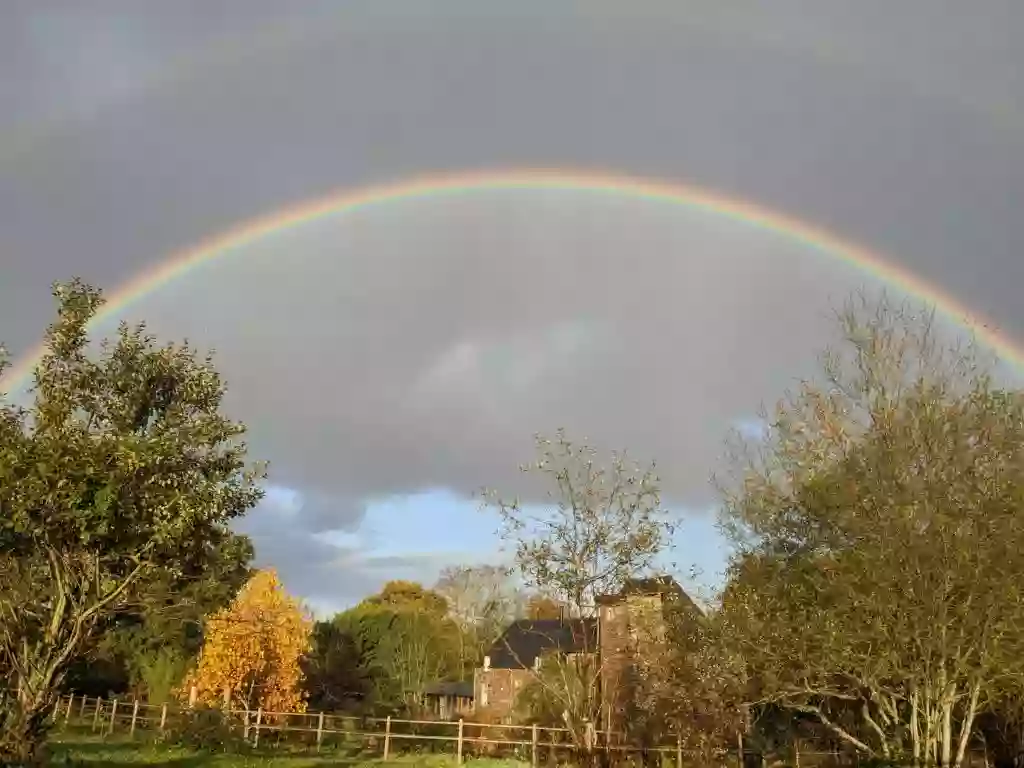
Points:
(628, 623)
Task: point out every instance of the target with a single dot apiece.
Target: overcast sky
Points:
(392, 361)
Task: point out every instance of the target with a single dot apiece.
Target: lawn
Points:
(95, 752)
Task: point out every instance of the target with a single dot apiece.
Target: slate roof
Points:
(526, 639)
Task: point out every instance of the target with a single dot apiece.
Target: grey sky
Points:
(419, 345)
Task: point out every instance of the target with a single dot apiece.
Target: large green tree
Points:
(408, 640)
(880, 587)
(338, 671)
(146, 648)
(122, 474)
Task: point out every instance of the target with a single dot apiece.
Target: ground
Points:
(96, 752)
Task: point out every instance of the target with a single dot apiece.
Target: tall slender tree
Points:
(602, 526)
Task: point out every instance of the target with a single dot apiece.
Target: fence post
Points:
(193, 694)
(245, 722)
(256, 734)
(387, 737)
(533, 746)
(135, 716)
(81, 711)
(458, 753)
(163, 717)
(796, 753)
(679, 752)
(67, 715)
(113, 714)
(96, 714)
(319, 730)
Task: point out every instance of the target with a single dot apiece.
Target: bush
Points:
(208, 729)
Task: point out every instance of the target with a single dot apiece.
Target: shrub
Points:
(208, 729)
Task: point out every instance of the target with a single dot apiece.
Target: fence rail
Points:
(389, 736)
(385, 737)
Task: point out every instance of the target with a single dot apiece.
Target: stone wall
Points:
(495, 690)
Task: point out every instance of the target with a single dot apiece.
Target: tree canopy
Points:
(122, 475)
(253, 650)
(878, 588)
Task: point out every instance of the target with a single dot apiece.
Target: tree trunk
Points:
(946, 757)
(24, 728)
(967, 725)
(915, 730)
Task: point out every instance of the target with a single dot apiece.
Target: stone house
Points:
(514, 657)
(625, 623)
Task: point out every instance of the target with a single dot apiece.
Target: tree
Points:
(409, 640)
(483, 600)
(880, 583)
(688, 681)
(252, 650)
(603, 526)
(409, 595)
(338, 670)
(146, 649)
(565, 688)
(120, 473)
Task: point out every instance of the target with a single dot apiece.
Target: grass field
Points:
(96, 752)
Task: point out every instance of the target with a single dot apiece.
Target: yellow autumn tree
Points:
(252, 649)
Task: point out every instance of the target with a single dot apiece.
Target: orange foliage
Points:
(253, 648)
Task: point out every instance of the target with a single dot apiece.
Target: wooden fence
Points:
(390, 737)
(384, 737)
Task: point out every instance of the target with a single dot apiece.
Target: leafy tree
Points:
(603, 526)
(121, 473)
(252, 650)
(338, 670)
(565, 688)
(146, 648)
(880, 584)
(689, 680)
(409, 638)
(409, 595)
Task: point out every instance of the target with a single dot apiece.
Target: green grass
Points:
(115, 752)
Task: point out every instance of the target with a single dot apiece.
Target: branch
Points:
(119, 590)
(882, 739)
(834, 727)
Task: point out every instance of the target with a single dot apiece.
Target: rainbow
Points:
(349, 200)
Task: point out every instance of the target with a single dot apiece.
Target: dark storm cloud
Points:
(402, 350)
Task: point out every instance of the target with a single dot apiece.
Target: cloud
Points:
(418, 345)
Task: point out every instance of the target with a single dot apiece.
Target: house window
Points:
(484, 691)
